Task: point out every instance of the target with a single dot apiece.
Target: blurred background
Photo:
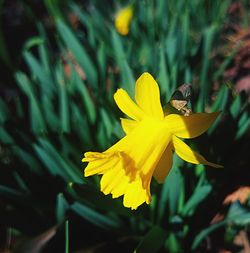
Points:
(61, 62)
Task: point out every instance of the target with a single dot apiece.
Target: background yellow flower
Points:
(123, 19)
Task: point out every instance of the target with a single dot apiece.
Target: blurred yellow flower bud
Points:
(123, 19)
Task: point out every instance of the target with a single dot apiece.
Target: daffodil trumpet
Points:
(146, 150)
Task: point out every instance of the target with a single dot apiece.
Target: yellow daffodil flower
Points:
(123, 19)
(146, 150)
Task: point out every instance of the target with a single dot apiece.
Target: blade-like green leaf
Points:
(61, 207)
(196, 198)
(79, 52)
(152, 241)
(94, 217)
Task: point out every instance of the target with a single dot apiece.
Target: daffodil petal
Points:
(187, 154)
(143, 147)
(190, 126)
(147, 96)
(99, 163)
(128, 165)
(128, 125)
(120, 188)
(116, 182)
(135, 195)
(127, 105)
(112, 178)
(164, 165)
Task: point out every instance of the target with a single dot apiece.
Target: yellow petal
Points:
(135, 195)
(99, 163)
(147, 96)
(164, 165)
(123, 20)
(128, 165)
(127, 105)
(187, 154)
(120, 188)
(116, 182)
(113, 178)
(128, 125)
(142, 148)
(190, 126)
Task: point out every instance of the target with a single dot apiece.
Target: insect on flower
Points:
(146, 150)
(181, 98)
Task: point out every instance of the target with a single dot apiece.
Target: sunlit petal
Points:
(116, 182)
(98, 163)
(187, 154)
(190, 126)
(128, 125)
(142, 147)
(135, 195)
(129, 164)
(127, 105)
(147, 96)
(113, 178)
(164, 165)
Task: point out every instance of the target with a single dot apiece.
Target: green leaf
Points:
(21, 182)
(175, 186)
(14, 195)
(46, 83)
(108, 122)
(171, 42)
(200, 193)
(226, 62)
(78, 51)
(86, 99)
(66, 236)
(92, 195)
(101, 58)
(128, 81)
(44, 54)
(70, 173)
(163, 78)
(173, 244)
(235, 108)
(237, 214)
(48, 161)
(28, 159)
(209, 35)
(171, 190)
(206, 232)
(221, 99)
(5, 136)
(89, 23)
(37, 122)
(83, 132)
(63, 102)
(243, 125)
(61, 207)
(31, 42)
(152, 241)
(94, 217)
